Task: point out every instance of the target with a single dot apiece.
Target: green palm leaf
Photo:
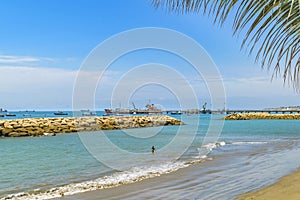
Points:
(271, 28)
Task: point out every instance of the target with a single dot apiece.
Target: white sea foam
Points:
(204, 150)
(132, 175)
(245, 143)
(119, 178)
(210, 146)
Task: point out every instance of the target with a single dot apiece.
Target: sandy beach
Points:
(168, 186)
(287, 188)
(153, 188)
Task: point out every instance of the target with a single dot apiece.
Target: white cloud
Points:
(27, 87)
(4, 59)
(257, 87)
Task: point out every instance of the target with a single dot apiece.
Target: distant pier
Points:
(236, 111)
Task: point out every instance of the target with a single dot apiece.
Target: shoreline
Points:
(142, 189)
(53, 126)
(286, 188)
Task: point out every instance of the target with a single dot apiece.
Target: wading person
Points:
(153, 149)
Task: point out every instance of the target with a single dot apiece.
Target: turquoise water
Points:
(72, 163)
(41, 114)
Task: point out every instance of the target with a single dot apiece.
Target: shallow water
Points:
(248, 155)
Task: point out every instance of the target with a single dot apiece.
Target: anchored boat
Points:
(10, 115)
(60, 113)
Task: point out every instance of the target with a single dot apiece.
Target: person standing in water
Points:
(153, 149)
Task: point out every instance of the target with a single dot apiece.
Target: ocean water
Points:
(244, 156)
(41, 114)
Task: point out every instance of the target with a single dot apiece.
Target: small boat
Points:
(10, 115)
(49, 134)
(1, 115)
(108, 111)
(89, 113)
(176, 113)
(60, 113)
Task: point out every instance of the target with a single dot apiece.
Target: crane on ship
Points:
(134, 107)
(204, 110)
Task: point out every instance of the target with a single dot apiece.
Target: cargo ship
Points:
(149, 109)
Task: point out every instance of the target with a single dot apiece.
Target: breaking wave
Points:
(131, 175)
(245, 143)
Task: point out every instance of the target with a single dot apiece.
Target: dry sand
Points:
(287, 188)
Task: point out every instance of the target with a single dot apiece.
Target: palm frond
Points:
(271, 28)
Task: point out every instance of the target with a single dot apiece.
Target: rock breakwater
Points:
(248, 116)
(51, 126)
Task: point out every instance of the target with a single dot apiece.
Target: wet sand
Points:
(192, 183)
(166, 186)
(287, 188)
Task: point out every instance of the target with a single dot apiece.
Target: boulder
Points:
(6, 131)
(48, 126)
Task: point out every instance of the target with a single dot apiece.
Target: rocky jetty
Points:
(51, 126)
(248, 116)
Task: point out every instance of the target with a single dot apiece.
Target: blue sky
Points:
(43, 44)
